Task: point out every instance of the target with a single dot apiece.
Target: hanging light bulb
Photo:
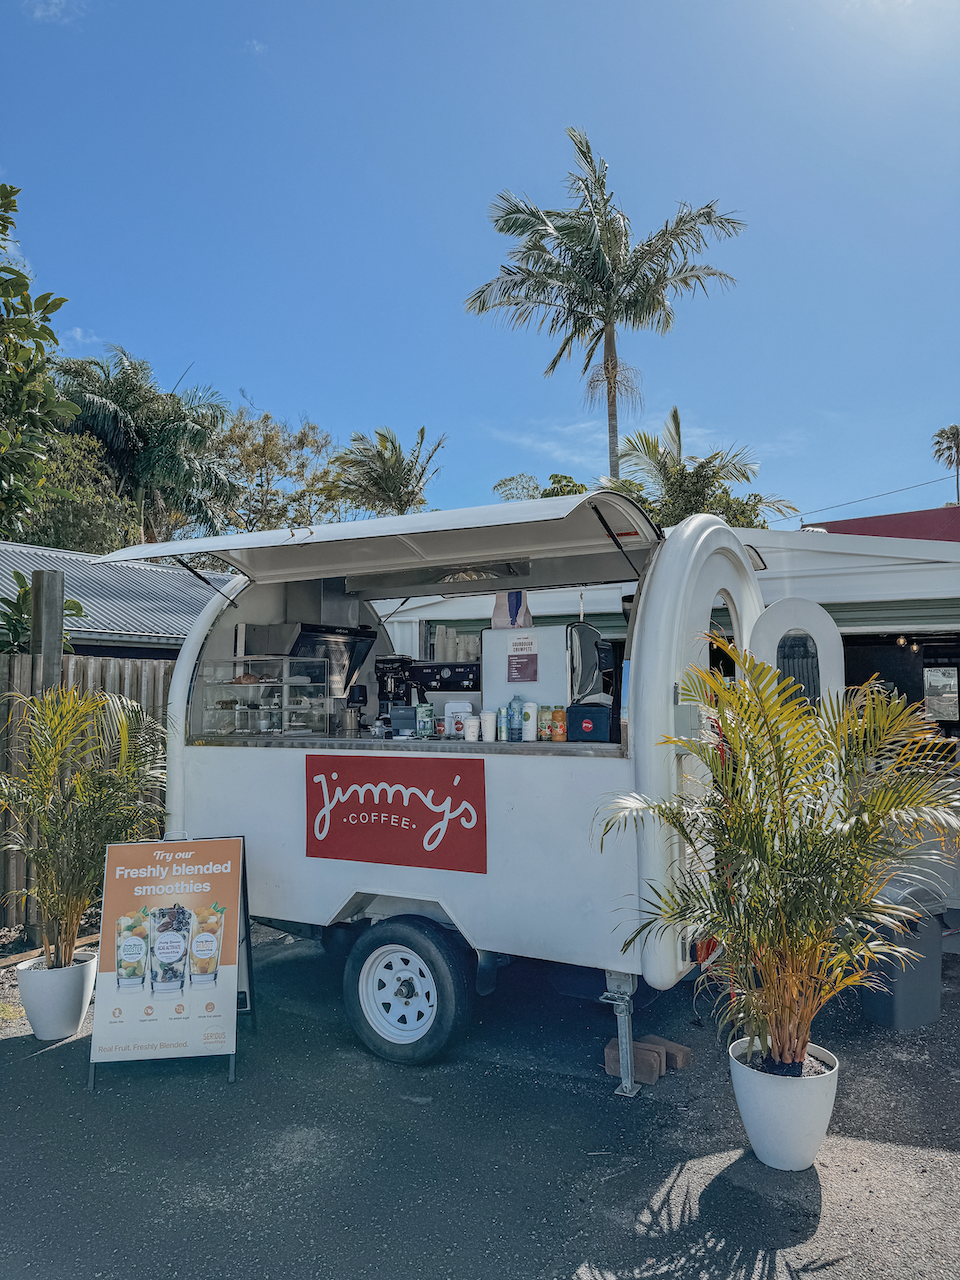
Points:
(902, 641)
(915, 648)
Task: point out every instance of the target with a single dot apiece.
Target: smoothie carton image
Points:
(132, 946)
(169, 940)
(205, 941)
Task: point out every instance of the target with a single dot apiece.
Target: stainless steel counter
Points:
(424, 746)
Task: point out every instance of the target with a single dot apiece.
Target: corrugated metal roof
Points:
(132, 600)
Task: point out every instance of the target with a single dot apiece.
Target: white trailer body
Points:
(536, 885)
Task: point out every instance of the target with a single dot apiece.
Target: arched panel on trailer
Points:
(700, 560)
(795, 617)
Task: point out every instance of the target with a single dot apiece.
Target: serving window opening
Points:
(308, 663)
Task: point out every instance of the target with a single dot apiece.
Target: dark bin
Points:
(913, 995)
(588, 722)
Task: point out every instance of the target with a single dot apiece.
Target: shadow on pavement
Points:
(722, 1217)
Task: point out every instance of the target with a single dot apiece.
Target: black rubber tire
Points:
(445, 959)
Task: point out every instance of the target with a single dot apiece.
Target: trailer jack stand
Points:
(623, 1006)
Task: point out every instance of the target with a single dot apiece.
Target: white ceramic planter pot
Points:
(785, 1117)
(55, 1000)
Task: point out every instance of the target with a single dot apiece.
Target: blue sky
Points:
(294, 197)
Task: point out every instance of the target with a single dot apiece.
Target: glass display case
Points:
(263, 696)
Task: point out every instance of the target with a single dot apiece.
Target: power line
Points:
(853, 501)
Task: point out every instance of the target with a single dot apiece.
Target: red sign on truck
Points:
(420, 812)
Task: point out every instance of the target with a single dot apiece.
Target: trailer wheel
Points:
(406, 989)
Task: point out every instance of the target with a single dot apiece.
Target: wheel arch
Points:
(366, 905)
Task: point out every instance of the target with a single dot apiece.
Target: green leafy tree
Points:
(375, 473)
(559, 486)
(946, 449)
(280, 474)
(16, 618)
(31, 411)
(95, 519)
(675, 485)
(158, 445)
(524, 486)
(519, 488)
(578, 273)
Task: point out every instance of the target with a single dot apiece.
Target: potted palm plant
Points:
(797, 821)
(90, 774)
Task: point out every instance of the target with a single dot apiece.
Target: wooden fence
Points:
(144, 680)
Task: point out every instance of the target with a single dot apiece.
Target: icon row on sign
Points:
(148, 1009)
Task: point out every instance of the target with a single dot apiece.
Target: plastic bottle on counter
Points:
(559, 720)
(503, 725)
(529, 729)
(545, 724)
(515, 719)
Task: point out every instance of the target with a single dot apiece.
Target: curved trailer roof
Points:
(589, 538)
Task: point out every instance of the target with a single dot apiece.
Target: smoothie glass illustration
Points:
(169, 940)
(132, 946)
(205, 943)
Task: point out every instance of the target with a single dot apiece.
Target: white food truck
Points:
(438, 858)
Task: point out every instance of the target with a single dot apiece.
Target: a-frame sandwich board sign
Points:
(174, 963)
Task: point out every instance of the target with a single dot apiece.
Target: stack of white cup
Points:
(468, 648)
(445, 644)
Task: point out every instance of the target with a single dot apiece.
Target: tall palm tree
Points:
(375, 474)
(946, 449)
(672, 480)
(159, 445)
(579, 273)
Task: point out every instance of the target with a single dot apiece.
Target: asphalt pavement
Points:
(510, 1160)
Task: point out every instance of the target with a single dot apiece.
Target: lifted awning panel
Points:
(547, 542)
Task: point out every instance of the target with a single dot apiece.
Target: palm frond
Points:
(376, 474)
(625, 379)
(773, 502)
(644, 456)
(733, 466)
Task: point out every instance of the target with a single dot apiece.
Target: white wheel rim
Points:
(398, 995)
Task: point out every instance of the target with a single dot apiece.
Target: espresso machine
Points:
(402, 682)
(394, 682)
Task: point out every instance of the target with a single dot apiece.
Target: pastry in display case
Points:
(268, 695)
